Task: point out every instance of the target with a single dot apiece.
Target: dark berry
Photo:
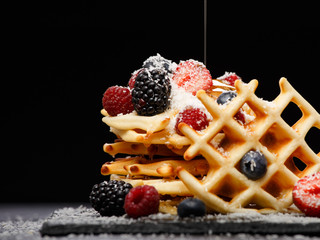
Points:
(108, 197)
(151, 92)
(142, 201)
(253, 165)
(117, 100)
(226, 97)
(191, 207)
(158, 62)
(194, 117)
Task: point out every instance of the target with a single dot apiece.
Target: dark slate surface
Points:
(86, 221)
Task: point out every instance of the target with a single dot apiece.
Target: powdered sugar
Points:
(181, 99)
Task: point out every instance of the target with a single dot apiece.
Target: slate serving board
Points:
(86, 221)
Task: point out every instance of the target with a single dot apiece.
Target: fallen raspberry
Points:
(306, 195)
(117, 100)
(192, 76)
(229, 78)
(142, 201)
(194, 117)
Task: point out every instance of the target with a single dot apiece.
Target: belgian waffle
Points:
(226, 189)
(207, 162)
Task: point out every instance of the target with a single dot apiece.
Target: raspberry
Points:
(192, 76)
(229, 78)
(142, 201)
(117, 100)
(306, 195)
(108, 197)
(132, 80)
(194, 117)
(151, 92)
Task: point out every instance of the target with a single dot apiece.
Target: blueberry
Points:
(253, 165)
(191, 207)
(226, 97)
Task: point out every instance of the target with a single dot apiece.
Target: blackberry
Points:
(150, 95)
(107, 198)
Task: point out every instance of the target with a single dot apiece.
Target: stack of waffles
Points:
(180, 160)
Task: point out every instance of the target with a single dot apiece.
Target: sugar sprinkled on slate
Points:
(29, 229)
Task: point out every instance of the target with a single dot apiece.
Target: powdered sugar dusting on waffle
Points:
(181, 99)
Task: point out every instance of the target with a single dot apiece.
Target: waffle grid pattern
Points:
(225, 188)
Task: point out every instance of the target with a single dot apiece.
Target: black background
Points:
(51, 128)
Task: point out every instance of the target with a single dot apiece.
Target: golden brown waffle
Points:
(132, 128)
(225, 188)
(164, 167)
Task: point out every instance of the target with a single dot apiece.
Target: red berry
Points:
(192, 76)
(240, 117)
(194, 117)
(306, 195)
(229, 78)
(142, 201)
(117, 100)
(132, 80)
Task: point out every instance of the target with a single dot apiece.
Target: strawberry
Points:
(229, 78)
(192, 76)
(117, 100)
(306, 195)
(194, 117)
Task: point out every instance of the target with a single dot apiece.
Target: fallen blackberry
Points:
(107, 198)
(150, 95)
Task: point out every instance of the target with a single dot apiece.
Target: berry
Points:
(191, 207)
(142, 201)
(306, 195)
(194, 117)
(132, 80)
(117, 100)
(226, 97)
(253, 165)
(108, 197)
(192, 76)
(229, 78)
(151, 92)
(158, 62)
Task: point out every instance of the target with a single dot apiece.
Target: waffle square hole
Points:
(245, 115)
(228, 188)
(259, 113)
(279, 186)
(275, 139)
(226, 142)
(291, 114)
(312, 139)
(299, 162)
